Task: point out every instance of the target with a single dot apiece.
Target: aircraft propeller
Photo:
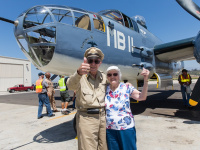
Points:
(194, 10)
(190, 7)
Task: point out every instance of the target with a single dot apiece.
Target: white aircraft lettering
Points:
(119, 40)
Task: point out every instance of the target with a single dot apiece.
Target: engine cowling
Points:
(197, 48)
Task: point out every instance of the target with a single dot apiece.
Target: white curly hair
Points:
(114, 68)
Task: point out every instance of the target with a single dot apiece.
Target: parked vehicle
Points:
(20, 87)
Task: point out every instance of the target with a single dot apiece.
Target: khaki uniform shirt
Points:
(50, 83)
(90, 91)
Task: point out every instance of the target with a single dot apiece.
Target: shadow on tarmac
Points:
(158, 100)
(161, 104)
(55, 134)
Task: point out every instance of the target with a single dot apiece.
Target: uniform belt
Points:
(93, 110)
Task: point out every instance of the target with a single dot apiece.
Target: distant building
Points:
(14, 71)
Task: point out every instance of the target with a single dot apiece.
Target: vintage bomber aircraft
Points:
(54, 39)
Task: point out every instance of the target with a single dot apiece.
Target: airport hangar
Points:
(14, 71)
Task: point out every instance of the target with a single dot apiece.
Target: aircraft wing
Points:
(176, 51)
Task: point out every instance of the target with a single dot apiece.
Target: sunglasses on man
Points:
(96, 61)
(114, 74)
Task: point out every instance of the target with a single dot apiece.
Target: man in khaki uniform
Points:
(90, 86)
(51, 91)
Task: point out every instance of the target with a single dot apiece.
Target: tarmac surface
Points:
(162, 123)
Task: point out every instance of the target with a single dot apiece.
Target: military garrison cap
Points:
(94, 52)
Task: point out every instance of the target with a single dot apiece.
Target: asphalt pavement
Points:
(162, 123)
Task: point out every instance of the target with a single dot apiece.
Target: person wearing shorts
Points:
(64, 94)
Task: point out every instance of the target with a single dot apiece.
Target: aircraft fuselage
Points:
(56, 45)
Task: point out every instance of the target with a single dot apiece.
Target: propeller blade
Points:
(195, 97)
(190, 7)
(53, 77)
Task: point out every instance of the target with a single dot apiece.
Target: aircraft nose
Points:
(37, 35)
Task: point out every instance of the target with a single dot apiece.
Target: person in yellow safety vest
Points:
(184, 81)
(41, 89)
(64, 94)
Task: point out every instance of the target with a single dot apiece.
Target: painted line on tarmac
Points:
(135, 102)
(62, 116)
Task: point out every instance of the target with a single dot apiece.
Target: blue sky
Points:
(164, 18)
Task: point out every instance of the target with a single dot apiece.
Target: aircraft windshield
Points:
(38, 39)
(113, 14)
(141, 21)
(37, 16)
(98, 23)
(63, 16)
(82, 21)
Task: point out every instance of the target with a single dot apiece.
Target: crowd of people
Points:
(46, 91)
(104, 119)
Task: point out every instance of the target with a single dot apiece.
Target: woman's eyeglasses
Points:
(114, 74)
(96, 61)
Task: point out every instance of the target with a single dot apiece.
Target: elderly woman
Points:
(120, 133)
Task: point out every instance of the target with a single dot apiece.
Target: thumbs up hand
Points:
(84, 68)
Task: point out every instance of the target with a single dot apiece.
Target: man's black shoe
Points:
(52, 115)
(40, 117)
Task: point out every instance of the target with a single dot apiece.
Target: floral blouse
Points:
(118, 112)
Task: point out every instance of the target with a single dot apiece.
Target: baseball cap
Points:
(39, 74)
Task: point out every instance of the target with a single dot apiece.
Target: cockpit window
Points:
(37, 16)
(115, 15)
(98, 23)
(82, 21)
(126, 21)
(44, 53)
(135, 26)
(25, 48)
(63, 16)
(43, 35)
(129, 22)
(140, 20)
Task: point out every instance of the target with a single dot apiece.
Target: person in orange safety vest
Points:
(41, 89)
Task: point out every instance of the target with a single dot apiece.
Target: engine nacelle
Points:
(197, 48)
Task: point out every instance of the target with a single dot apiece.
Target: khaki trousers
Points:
(52, 101)
(91, 131)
